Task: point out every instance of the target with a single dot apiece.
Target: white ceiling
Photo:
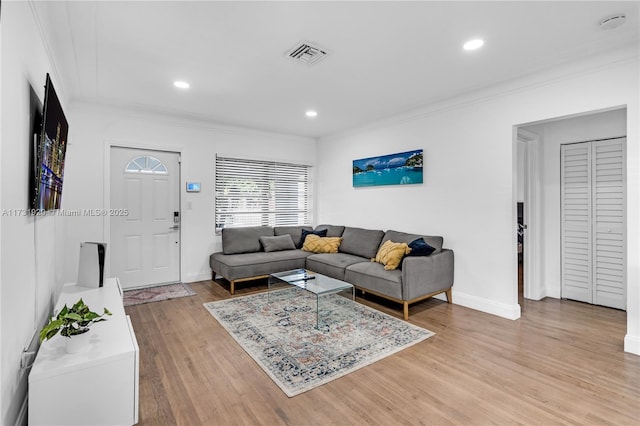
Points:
(387, 57)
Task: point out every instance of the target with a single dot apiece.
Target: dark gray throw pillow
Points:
(303, 236)
(419, 247)
(277, 243)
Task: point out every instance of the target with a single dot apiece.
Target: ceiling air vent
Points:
(307, 53)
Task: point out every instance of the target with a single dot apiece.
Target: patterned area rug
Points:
(156, 294)
(281, 336)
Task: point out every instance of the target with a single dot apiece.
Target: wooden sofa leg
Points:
(449, 296)
(233, 287)
(406, 310)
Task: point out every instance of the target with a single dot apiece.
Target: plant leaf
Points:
(73, 316)
(71, 321)
(90, 316)
(50, 330)
(63, 312)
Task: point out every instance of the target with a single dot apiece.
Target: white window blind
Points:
(261, 193)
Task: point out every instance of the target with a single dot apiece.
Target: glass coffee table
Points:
(317, 284)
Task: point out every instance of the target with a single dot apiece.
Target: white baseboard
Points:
(192, 278)
(553, 292)
(503, 310)
(632, 344)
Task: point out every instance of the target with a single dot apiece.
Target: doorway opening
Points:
(537, 185)
(528, 215)
(521, 228)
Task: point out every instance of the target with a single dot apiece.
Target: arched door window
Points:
(146, 164)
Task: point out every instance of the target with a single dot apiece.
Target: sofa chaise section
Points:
(243, 257)
(418, 278)
(252, 266)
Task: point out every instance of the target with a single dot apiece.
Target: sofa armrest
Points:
(422, 275)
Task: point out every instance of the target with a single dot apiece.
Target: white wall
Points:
(95, 128)
(468, 195)
(31, 253)
(552, 135)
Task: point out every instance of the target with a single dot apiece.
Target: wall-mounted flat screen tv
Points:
(49, 153)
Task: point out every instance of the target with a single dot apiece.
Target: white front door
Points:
(145, 240)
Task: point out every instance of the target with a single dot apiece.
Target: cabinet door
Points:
(608, 223)
(576, 222)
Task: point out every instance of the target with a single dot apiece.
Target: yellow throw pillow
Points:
(316, 244)
(390, 254)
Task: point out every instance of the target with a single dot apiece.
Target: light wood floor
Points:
(561, 363)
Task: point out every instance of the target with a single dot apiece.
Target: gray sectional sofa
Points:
(244, 257)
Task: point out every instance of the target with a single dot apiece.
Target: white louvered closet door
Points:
(593, 225)
(609, 229)
(576, 237)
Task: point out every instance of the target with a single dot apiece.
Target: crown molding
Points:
(176, 120)
(620, 57)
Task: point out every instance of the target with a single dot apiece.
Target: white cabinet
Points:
(98, 386)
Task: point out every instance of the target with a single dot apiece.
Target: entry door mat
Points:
(157, 293)
(281, 335)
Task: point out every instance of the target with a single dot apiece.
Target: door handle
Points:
(174, 227)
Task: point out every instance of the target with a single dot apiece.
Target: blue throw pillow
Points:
(303, 236)
(420, 248)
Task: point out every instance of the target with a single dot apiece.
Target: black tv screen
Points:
(50, 153)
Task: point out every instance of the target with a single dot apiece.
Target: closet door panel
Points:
(608, 223)
(576, 222)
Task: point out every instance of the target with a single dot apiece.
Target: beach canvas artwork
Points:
(403, 168)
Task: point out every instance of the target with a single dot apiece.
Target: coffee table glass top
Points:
(315, 283)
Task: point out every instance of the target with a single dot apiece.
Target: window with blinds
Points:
(261, 193)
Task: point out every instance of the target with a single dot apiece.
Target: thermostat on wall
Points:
(193, 186)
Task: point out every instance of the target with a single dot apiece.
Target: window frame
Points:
(158, 168)
(256, 192)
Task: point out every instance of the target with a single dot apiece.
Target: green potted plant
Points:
(71, 322)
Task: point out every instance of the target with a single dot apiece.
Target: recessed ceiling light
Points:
(473, 44)
(181, 84)
(311, 113)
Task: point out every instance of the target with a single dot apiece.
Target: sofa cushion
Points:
(403, 237)
(246, 265)
(372, 276)
(316, 244)
(294, 231)
(361, 242)
(244, 240)
(277, 243)
(390, 254)
(303, 236)
(332, 230)
(332, 264)
(420, 248)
